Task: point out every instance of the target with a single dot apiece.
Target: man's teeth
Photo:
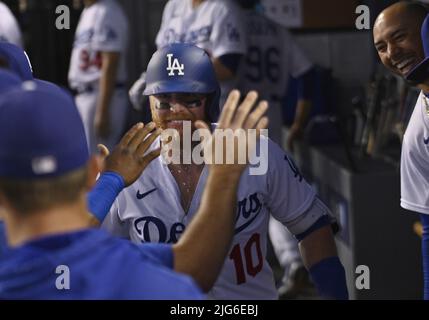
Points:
(405, 63)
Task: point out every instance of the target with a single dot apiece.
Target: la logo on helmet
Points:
(175, 66)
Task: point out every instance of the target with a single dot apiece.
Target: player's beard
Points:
(166, 121)
(169, 120)
(175, 122)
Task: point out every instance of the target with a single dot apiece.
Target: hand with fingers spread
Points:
(243, 117)
(129, 157)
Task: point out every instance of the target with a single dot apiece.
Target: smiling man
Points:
(397, 39)
(397, 36)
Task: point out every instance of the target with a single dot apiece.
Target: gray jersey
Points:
(272, 56)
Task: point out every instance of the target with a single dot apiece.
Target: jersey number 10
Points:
(252, 268)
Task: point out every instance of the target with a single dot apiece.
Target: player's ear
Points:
(152, 103)
(95, 165)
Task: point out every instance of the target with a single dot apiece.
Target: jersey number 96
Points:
(262, 64)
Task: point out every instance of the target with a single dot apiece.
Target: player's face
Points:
(397, 41)
(171, 110)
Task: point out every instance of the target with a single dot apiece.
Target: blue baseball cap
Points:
(41, 133)
(43, 84)
(8, 80)
(17, 60)
(420, 72)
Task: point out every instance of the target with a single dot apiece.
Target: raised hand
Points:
(129, 157)
(237, 117)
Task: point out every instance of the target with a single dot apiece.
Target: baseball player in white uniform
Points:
(98, 71)
(213, 25)
(399, 46)
(414, 159)
(272, 56)
(161, 203)
(9, 28)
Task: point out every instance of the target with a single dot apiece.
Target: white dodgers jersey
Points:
(215, 26)
(415, 160)
(9, 29)
(272, 56)
(150, 210)
(102, 27)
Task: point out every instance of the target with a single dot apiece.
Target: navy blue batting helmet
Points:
(183, 68)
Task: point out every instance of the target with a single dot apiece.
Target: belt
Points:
(89, 88)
